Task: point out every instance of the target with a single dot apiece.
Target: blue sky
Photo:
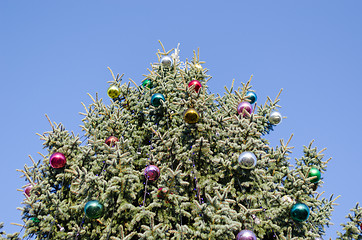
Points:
(53, 53)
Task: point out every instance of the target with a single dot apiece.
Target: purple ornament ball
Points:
(246, 235)
(244, 105)
(152, 173)
(57, 160)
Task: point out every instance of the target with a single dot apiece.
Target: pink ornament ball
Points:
(57, 160)
(245, 105)
(246, 235)
(27, 190)
(152, 173)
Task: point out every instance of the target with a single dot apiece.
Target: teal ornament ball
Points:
(299, 212)
(156, 99)
(93, 209)
(251, 96)
(314, 172)
(147, 83)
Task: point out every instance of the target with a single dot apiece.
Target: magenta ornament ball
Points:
(245, 105)
(246, 235)
(57, 160)
(152, 172)
(27, 190)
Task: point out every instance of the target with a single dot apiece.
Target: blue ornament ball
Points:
(156, 99)
(299, 212)
(251, 96)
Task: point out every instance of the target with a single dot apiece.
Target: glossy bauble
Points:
(196, 85)
(156, 99)
(35, 220)
(246, 235)
(111, 141)
(57, 160)
(113, 92)
(299, 212)
(147, 83)
(152, 173)
(247, 160)
(251, 96)
(245, 105)
(314, 172)
(318, 238)
(162, 193)
(198, 66)
(191, 116)
(275, 118)
(166, 61)
(360, 226)
(93, 209)
(27, 190)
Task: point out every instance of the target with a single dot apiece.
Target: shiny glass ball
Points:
(162, 193)
(152, 173)
(318, 238)
(314, 172)
(166, 61)
(245, 105)
(156, 99)
(57, 160)
(147, 83)
(251, 96)
(191, 116)
(111, 141)
(299, 212)
(113, 92)
(275, 118)
(93, 209)
(35, 219)
(27, 190)
(198, 66)
(246, 235)
(195, 84)
(247, 160)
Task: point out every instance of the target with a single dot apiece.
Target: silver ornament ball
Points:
(275, 118)
(318, 238)
(246, 235)
(247, 160)
(166, 61)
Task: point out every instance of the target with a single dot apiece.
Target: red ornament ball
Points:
(245, 105)
(152, 172)
(361, 226)
(111, 141)
(27, 190)
(162, 193)
(196, 85)
(57, 160)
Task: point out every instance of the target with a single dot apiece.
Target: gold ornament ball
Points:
(198, 66)
(113, 92)
(191, 116)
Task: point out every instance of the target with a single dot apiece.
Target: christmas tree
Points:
(166, 159)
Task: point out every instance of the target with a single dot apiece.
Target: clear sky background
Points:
(52, 53)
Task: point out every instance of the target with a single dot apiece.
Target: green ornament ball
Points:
(93, 209)
(147, 83)
(299, 212)
(314, 172)
(113, 92)
(35, 219)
